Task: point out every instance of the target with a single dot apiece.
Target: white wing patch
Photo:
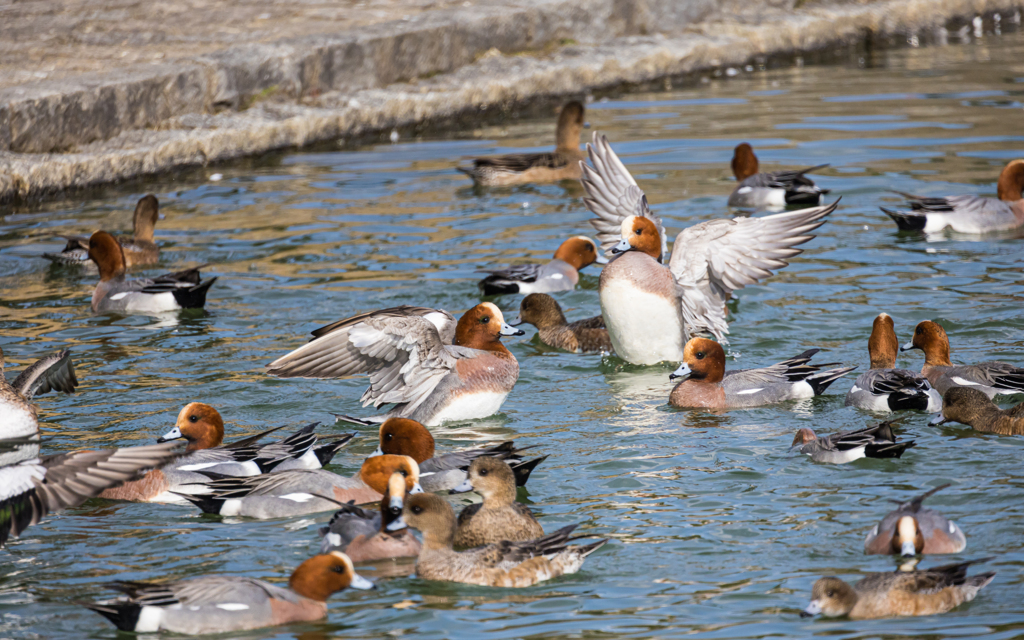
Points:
(744, 190)
(233, 606)
(964, 383)
(199, 466)
(298, 497)
(118, 296)
(556, 276)
(748, 391)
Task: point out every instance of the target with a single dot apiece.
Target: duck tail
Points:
(362, 422)
(585, 550)
(909, 400)
(123, 613)
(906, 220)
(496, 285)
(889, 449)
(209, 503)
(326, 452)
(193, 297)
(915, 504)
(522, 470)
(821, 380)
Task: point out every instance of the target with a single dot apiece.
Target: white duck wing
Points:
(55, 371)
(613, 195)
(712, 259)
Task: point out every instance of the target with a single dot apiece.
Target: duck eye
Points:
(639, 232)
(417, 510)
(338, 568)
(389, 436)
(193, 418)
(829, 594)
(405, 474)
(919, 331)
(700, 355)
(485, 320)
(483, 472)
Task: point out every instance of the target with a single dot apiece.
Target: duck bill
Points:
(812, 609)
(465, 487)
(416, 488)
(907, 549)
(173, 434)
(376, 452)
(600, 259)
(937, 419)
(683, 372)
(359, 582)
(395, 503)
(516, 322)
(622, 247)
(508, 330)
(396, 525)
(908, 347)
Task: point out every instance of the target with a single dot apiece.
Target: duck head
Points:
(405, 437)
(744, 162)
(147, 211)
(200, 425)
(580, 252)
(883, 344)
(703, 360)
(325, 574)
(639, 234)
(831, 597)
(932, 339)
(433, 516)
(540, 310)
(1011, 181)
(106, 252)
(376, 472)
(482, 327)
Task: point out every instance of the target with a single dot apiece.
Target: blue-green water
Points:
(717, 532)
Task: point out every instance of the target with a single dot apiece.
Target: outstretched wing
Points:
(55, 371)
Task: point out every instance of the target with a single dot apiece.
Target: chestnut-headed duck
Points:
(975, 409)
(117, 294)
(581, 336)
(54, 372)
(652, 309)
(507, 564)
(876, 441)
(525, 168)
(303, 491)
(33, 486)
(561, 274)
(884, 388)
(404, 437)
(499, 517)
(707, 385)
(775, 189)
(413, 363)
(367, 536)
(899, 593)
(912, 530)
(139, 249)
(966, 213)
(218, 604)
(991, 378)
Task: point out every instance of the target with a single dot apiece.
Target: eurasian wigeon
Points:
(404, 437)
(217, 604)
(499, 517)
(876, 441)
(775, 189)
(139, 249)
(303, 491)
(116, 294)
(899, 593)
(884, 388)
(32, 486)
(912, 530)
(581, 336)
(975, 409)
(54, 372)
(413, 364)
(991, 378)
(651, 309)
(507, 564)
(560, 274)
(966, 213)
(524, 168)
(707, 385)
(367, 536)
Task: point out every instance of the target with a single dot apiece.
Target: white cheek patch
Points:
(964, 383)
(233, 606)
(747, 392)
(118, 296)
(298, 497)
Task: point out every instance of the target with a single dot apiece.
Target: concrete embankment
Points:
(99, 92)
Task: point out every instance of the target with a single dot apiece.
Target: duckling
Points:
(499, 517)
(975, 409)
(581, 336)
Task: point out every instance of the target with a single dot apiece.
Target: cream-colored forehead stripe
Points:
(493, 308)
(907, 528)
(344, 558)
(627, 226)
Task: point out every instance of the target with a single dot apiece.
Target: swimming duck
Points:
(707, 385)
(900, 593)
(975, 409)
(876, 441)
(885, 388)
(115, 293)
(303, 491)
(651, 309)
(217, 604)
(776, 189)
(499, 517)
(523, 168)
(139, 249)
(991, 378)
(911, 530)
(54, 372)
(561, 274)
(966, 213)
(432, 372)
(507, 564)
(404, 437)
(581, 336)
(365, 535)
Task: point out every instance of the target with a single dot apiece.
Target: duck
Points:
(433, 370)
(116, 294)
(991, 378)
(899, 593)
(707, 385)
(302, 491)
(582, 336)
(652, 309)
(139, 249)
(499, 517)
(55, 372)
(884, 388)
(219, 604)
(367, 536)
(911, 530)
(507, 564)
(975, 409)
(967, 213)
(776, 189)
(560, 274)
(876, 441)
(405, 437)
(526, 168)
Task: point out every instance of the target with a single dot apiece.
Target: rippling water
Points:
(717, 531)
